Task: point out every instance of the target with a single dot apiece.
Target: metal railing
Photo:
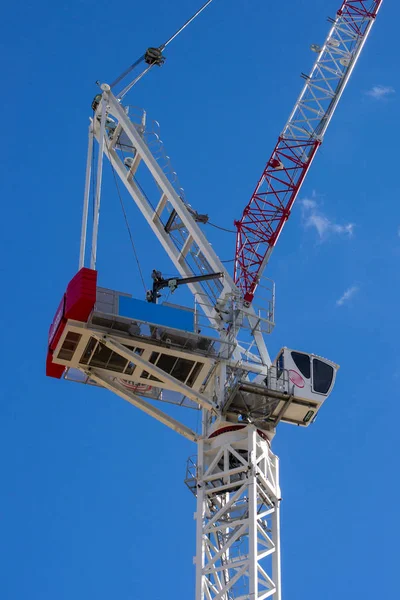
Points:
(276, 380)
(191, 474)
(264, 305)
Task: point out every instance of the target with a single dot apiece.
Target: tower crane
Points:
(212, 356)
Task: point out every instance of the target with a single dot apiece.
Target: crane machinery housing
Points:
(211, 356)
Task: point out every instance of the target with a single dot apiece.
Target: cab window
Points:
(302, 362)
(279, 366)
(322, 376)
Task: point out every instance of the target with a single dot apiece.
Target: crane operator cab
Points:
(296, 386)
(307, 378)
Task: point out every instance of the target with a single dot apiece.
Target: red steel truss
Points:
(269, 208)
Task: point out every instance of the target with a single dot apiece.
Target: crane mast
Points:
(276, 191)
(153, 355)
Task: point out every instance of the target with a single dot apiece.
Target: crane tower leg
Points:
(102, 130)
(238, 496)
(86, 199)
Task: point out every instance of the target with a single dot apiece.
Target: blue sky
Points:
(93, 503)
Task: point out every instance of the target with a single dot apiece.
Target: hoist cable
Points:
(127, 223)
(127, 71)
(221, 228)
(163, 46)
(160, 48)
(134, 82)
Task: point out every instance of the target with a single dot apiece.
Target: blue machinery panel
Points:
(156, 314)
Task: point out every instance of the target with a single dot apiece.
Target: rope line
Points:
(221, 228)
(127, 223)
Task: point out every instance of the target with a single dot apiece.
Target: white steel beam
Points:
(195, 243)
(103, 104)
(112, 385)
(174, 383)
(167, 189)
(86, 199)
(158, 229)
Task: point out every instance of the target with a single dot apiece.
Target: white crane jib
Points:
(127, 145)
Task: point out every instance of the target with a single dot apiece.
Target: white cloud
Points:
(349, 293)
(349, 228)
(308, 203)
(313, 217)
(380, 91)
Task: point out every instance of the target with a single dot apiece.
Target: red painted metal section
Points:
(53, 370)
(81, 295)
(359, 8)
(76, 304)
(57, 325)
(269, 207)
(229, 428)
(352, 10)
(226, 429)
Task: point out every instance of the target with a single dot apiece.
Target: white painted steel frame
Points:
(325, 85)
(168, 194)
(86, 331)
(174, 383)
(221, 571)
(114, 386)
(114, 343)
(235, 503)
(194, 236)
(86, 198)
(238, 533)
(101, 140)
